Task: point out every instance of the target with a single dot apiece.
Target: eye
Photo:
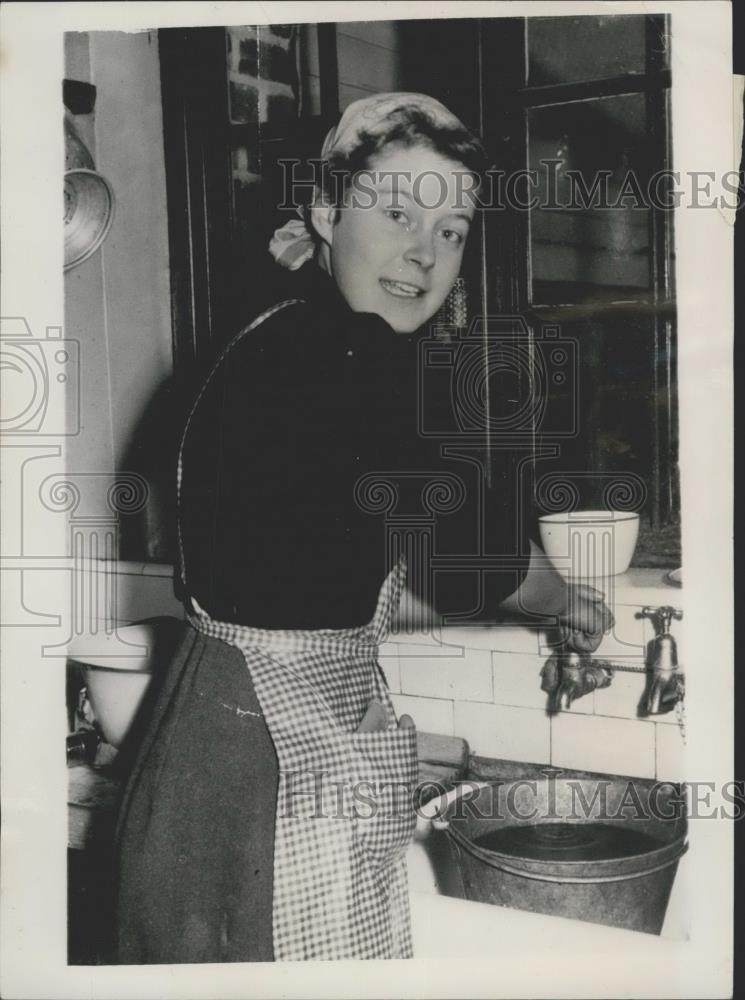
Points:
(396, 215)
(453, 236)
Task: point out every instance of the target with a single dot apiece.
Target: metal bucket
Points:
(601, 849)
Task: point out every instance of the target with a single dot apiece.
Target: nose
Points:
(420, 251)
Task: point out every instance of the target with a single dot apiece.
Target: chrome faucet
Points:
(665, 682)
(568, 675)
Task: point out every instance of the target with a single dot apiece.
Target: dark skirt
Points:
(195, 837)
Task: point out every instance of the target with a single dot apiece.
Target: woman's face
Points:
(396, 245)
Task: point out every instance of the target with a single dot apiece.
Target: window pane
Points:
(625, 453)
(590, 243)
(261, 73)
(573, 49)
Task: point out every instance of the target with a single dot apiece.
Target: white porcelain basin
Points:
(117, 668)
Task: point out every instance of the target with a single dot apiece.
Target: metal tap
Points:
(665, 682)
(568, 675)
(571, 684)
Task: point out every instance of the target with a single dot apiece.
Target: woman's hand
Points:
(579, 609)
(376, 720)
(585, 618)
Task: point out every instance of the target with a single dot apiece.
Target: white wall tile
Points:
(388, 660)
(422, 646)
(622, 698)
(467, 677)
(505, 638)
(517, 680)
(429, 714)
(671, 754)
(626, 639)
(612, 746)
(503, 731)
(422, 676)
(667, 719)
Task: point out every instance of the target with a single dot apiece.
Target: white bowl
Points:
(117, 669)
(589, 544)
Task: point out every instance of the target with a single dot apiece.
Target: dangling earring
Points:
(454, 310)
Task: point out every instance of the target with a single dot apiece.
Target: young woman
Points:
(269, 811)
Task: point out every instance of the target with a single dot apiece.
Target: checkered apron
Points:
(344, 805)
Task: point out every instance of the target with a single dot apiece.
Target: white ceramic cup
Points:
(589, 544)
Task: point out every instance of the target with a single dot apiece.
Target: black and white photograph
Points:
(367, 442)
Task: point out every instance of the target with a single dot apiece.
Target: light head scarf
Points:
(292, 244)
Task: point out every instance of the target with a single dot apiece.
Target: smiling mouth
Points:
(402, 289)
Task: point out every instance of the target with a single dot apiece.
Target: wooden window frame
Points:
(506, 101)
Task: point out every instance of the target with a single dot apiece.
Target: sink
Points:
(118, 668)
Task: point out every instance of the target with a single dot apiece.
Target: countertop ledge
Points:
(628, 587)
(635, 588)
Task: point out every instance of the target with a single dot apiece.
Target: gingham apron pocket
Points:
(384, 778)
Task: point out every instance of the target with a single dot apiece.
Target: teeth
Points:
(401, 288)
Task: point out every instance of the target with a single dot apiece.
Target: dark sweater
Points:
(303, 407)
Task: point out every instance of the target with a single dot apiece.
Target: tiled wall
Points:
(493, 697)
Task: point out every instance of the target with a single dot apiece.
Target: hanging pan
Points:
(89, 201)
